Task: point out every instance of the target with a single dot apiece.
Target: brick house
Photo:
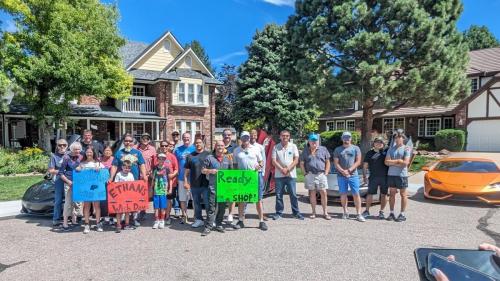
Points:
(478, 114)
(172, 90)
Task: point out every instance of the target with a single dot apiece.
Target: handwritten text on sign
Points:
(237, 186)
(128, 196)
(90, 185)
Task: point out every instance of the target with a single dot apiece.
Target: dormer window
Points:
(189, 61)
(166, 46)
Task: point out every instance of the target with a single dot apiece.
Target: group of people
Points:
(181, 169)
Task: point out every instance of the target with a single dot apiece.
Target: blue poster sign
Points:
(90, 185)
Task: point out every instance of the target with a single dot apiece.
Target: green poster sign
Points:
(237, 186)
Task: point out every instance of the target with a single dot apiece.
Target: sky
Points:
(226, 27)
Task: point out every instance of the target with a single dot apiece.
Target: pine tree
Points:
(480, 37)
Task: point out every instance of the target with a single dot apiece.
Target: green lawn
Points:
(421, 161)
(13, 188)
(300, 176)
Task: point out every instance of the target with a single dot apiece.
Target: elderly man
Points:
(56, 160)
(374, 165)
(181, 154)
(347, 159)
(285, 159)
(215, 162)
(315, 165)
(398, 159)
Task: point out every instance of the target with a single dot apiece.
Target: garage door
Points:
(483, 135)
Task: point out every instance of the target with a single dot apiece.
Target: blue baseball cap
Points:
(313, 137)
(346, 135)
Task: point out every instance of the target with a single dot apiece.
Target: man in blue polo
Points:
(347, 159)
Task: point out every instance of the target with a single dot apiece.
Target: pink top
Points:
(108, 163)
(148, 153)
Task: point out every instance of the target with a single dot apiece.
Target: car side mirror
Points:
(425, 168)
(48, 176)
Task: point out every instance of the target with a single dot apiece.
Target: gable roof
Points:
(151, 47)
(486, 86)
(152, 75)
(184, 54)
(484, 61)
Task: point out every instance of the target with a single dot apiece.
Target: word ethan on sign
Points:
(237, 186)
(128, 196)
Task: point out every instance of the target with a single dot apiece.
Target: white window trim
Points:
(477, 84)
(432, 119)
(337, 126)
(186, 102)
(420, 131)
(330, 128)
(350, 120)
(183, 127)
(139, 87)
(452, 122)
(165, 43)
(393, 123)
(179, 93)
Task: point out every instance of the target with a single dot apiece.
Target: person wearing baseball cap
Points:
(162, 186)
(148, 153)
(374, 166)
(347, 159)
(315, 165)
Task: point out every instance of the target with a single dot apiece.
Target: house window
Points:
(474, 84)
(392, 124)
(432, 126)
(448, 123)
(421, 127)
(199, 96)
(350, 125)
(166, 46)
(192, 127)
(340, 125)
(182, 93)
(330, 126)
(135, 128)
(138, 91)
(189, 61)
(190, 93)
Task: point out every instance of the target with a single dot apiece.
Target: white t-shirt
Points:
(121, 177)
(90, 165)
(247, 159)
(262, 150)
(284, 156)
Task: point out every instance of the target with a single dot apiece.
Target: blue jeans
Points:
(58, 197)
(290, 184)
(199, 194)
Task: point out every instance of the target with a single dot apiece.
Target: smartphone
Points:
(482, 261)
(455, 271)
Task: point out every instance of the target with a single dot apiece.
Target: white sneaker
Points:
(162, 224)
(197, 223)
(137, 223)
(229, 218)
(155, 225)
(86, 229)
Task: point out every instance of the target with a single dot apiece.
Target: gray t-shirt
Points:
(213, 162)
(347, 156)
(398, 153)
(315, 163)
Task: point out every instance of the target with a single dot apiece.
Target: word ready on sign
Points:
(237, 186)
(127, 196)
(90, 185)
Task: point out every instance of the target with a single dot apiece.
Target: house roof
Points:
(409, 111)
(131, 50)
(484, 61)
(175, 75)
(481, 90)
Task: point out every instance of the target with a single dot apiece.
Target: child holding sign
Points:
(124, 175)
(160, 184)
(90, 162)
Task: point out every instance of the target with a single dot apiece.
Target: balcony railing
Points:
(145, 105)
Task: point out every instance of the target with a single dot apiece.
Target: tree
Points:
(480, 37)
(201, 53)
(224, 100)
(262, 93)
(61, 51)
(389, 53)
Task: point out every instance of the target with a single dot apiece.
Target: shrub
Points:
(450, 139)
(24, 161)
(428, 146)
(332, 139)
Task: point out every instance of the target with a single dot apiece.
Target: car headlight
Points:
(495, 185)
(435, 181)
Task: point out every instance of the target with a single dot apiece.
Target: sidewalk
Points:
(10, 208)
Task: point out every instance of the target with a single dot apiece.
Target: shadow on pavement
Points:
(419, 197)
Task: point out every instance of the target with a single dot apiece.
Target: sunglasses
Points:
(164, 145)
(128, 141)
(62, 145)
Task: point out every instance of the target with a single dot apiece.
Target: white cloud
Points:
(224, 58)
(290, 3)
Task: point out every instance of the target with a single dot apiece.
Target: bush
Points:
(29, 160)
(428, 146)
(450, 139)
(332, 139)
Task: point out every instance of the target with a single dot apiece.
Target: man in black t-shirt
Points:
(374, 164)
(196, 181)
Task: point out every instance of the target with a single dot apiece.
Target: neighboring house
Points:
(479, 113)
(173, 90)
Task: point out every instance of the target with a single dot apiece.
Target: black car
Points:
(39, 198)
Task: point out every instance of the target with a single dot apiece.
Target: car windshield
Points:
(467, 167)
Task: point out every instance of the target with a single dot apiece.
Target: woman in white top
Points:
(90, 161)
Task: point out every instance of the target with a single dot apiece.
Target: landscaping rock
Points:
(423, 152)
(444, 152)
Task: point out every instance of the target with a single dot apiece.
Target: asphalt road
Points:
(290, 250)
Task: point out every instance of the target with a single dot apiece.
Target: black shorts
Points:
(375, 182)
(397, 182)
(173, 195)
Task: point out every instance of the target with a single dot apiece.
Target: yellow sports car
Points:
(463, 179)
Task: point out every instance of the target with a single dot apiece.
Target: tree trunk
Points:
(45, 133)
(367, 125)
